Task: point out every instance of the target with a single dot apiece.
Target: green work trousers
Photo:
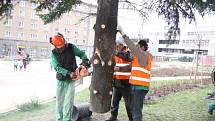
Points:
(64, 100)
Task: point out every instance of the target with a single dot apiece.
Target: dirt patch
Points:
(174, 71)
(165, 90)
(101, 117)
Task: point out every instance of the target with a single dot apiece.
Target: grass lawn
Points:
(188, 105)
(182, 106)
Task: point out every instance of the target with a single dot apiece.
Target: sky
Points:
(132, 24)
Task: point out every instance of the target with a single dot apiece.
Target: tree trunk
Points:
(103, 57)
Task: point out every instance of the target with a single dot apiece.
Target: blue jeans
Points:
(137, 99)
(118, 93)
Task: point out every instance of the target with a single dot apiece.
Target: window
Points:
(8, 34)
(169, 50)
(46, 37)
(21, 24)
(168, 41)
(204, 43)
(33, 36)
(21, 13)
(66, 30)
(8, 22)
(33, 26)
(67, 22)
(9, 12)
(188, 51)
(33, 5)
(46, 27)
(21, 35)
(34, 16)
(205, 52)
(76, 32)
(22, 3)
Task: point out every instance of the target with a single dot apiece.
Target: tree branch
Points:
(83, 18)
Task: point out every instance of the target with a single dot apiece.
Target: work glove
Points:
(120, 30)
(75, 75)
(83, 72)
(119, 53)
(86, 63)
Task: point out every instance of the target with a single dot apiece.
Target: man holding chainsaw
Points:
(64, 62)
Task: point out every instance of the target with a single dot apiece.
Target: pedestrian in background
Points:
(26, 60)
(20, 58)
(25, 63)
(15, 64)
(64, 62)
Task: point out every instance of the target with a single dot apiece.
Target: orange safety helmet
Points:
(58, 41)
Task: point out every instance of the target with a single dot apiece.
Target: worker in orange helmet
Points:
(64, 62)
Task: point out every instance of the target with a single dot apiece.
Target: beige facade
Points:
(26, 30)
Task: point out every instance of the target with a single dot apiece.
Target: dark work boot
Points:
(210, 111)
(112, 118)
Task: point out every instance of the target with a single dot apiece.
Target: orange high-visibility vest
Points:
(140, 75)
(118, 74)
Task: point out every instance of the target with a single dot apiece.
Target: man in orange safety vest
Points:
(121, 87)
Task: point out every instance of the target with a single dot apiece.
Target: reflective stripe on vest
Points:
(123, 73)
(122, 64)
(140, 69)
(120, 75)
(140, 75)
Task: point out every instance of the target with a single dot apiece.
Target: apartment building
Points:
(189, 42)
(26, 31)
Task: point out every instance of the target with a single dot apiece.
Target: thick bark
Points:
(104, 46)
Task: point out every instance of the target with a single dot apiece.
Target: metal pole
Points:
(197, 58)
(201, 68)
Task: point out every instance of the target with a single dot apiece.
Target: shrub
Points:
(185, 59)
(32, 104)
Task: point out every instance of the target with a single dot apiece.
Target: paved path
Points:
(17, 87)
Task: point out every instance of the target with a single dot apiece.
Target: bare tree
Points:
(104, 46)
